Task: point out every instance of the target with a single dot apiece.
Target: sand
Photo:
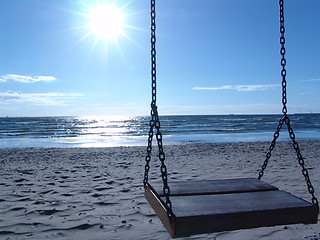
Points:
(97, 193)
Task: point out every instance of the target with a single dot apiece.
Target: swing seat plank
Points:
(241, 208)
(214, 187)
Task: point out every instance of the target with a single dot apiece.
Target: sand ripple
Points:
(97, 193)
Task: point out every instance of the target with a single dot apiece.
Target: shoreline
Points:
(141, 141)
(97, 193)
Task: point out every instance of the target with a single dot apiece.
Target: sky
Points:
(90, 57)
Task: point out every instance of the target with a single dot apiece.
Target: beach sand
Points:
(97, 193)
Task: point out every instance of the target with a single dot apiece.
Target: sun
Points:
(106, 22)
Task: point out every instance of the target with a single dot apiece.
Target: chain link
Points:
(285, 119)
(273, 143)
(155, 122)
(302, 164)
(149, 150)
(283, 59)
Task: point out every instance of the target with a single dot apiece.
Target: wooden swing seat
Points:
(221, 205)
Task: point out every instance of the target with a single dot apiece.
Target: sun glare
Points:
(106, 22)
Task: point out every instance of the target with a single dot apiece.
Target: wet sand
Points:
(97, 193)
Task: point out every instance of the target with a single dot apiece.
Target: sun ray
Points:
(105, 20)
(108, 24)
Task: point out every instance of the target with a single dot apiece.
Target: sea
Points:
(67, 132)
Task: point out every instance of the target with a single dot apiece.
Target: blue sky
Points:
(213, 57)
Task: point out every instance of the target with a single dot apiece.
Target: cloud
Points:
(26, 79)
(306, 93)
(254, 108)
(312, 80)
(52, 99)
(240, 88)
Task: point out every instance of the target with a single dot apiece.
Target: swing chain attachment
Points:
(273, 143)
(155, 122)
(305, 172)
(285, 119)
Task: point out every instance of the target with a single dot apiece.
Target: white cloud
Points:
(306, 93)
(312, 80)
(26, 79)
(52, 98)
(221, 109)
(239, 88)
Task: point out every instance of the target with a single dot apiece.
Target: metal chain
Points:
(284, 89)
(155, 122)
(273, 143)
(283, 59)
(301, 162)
(153, 90)
(285, 119)
(148, 157)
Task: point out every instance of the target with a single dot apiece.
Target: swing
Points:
(196, 207)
